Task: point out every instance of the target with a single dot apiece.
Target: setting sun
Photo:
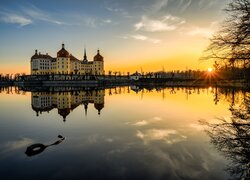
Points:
(210, 69)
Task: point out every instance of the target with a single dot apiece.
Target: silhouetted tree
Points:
(232, 138)
(231, 44)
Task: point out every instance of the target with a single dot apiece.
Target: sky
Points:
(147, 35)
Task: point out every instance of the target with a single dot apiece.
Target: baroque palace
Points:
(66, 63)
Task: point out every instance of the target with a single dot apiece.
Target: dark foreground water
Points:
(124, 133)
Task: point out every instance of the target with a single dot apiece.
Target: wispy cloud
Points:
(31, 14)
(120, 11)
(196, 126)
(107, 21)
(142, 38)
(158, 5)
(15, 19)
(183, 5)
(79, 19)
(139, 37)
(145, 38)
(208, 4)
(205, 32)
(148, 121)
(168, 136)
(17, 144)
(166, 23)
(94, 22)
(90, 21)
(141, 123)
(200, 32)
(37, 14)
(28, 15)
(114, 9)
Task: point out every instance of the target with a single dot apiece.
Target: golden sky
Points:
(131, 35)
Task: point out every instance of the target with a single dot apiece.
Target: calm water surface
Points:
(117, 133)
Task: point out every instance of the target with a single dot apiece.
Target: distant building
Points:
(136, 76)
(66, 63)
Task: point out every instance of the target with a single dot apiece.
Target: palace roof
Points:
(73, 58)
(98, 57)
(42, 56)
(63, 52)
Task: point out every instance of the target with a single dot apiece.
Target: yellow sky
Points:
(178, 62)
(156, 34)
(182, 53)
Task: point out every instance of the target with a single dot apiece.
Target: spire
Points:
(85, 56)
(98, 51)
(86, 108)
(62, 45)
(36, 51)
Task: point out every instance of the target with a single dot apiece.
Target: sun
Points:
(210, 69)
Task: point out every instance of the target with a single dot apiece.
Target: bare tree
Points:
(231, 44)
(232, 138)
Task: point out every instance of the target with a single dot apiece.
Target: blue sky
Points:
(130, 33)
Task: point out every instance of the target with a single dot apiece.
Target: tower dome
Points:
(64, 113)
(99, 107)
(63, 52)
(35, 56)
(98, 57)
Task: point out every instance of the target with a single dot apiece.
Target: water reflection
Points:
(231, 136)
(66, 99)
(66, 102)
(225, 94)
(141, 132)
(38, 148)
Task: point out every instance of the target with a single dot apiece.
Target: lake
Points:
(124, 133)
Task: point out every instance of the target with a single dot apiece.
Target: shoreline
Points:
(98, 83)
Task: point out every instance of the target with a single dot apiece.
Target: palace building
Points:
(66, 63)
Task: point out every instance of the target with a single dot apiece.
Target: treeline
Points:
(232, 73)
(177, 74)
(10, 77)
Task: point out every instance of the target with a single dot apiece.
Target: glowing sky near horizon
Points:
(132, 34)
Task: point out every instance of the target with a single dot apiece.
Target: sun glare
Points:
(210, 69)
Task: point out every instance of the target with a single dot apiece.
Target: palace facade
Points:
(66, 63)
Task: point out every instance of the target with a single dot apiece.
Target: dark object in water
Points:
(60, 136)
(37, 148)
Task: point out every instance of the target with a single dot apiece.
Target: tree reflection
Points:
(231, 137)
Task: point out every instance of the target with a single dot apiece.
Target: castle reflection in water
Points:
(229, 135)
(66, 102)
(66, 99)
